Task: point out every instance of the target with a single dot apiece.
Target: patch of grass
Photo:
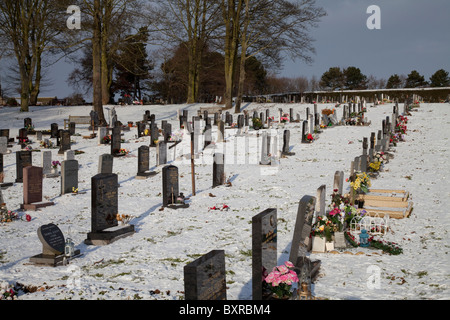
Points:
(421, 274)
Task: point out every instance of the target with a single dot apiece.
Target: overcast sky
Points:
(414, 35)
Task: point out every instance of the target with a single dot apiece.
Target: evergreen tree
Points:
(414, 80)
(394, 82)
(440, 79)
(332, 79)
(354, 79)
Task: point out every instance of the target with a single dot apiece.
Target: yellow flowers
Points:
(362, 182)
(375, 166)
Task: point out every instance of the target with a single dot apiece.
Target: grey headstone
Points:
(302, 230)
(105, 164)
(69, 176)
(23, 159)
(3, 145)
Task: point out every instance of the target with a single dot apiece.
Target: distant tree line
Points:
(206, 47)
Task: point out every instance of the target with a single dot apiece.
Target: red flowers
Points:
(310, 137)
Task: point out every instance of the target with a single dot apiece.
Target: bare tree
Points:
(267, 28)
(189, 23)
(28, 29)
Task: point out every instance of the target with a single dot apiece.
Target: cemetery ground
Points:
(149, 264)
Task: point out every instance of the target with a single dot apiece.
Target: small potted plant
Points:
(55, 165)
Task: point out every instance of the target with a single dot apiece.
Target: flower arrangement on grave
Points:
(123, 151)
(284, 118)
(386, 246)
(374, 166)
(10, 216)
(281, 279)
(351, 239)
(361, 183)
(74, 190)
(124, 218)
(7, 291)
(309, 137)
(29, 127)
(325, 226)
(327, 112)
(176, 136)
(257, 124)
(47, 144)
(107, 139)
(55, 164)
(224, 207)
(28, 148)
(352, 214)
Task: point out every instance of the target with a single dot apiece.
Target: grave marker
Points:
(23, 159)
(105, 164)
(104, 204)
(286, 138)
(69, 176)
(172, 198)
(53, 243)
(32, 189)
(218, 170)
(205, 279)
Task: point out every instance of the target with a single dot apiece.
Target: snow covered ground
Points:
(149, 264)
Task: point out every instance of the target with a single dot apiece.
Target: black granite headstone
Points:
(264, 248)
(23, 159)
(205, 278)
(218, 170)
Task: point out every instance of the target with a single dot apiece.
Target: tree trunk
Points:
(237, 108)
(96, 67)
(36, 87)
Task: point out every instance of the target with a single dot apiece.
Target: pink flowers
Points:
(282, 275)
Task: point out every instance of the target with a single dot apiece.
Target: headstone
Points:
(304, 131)
(363, 164)
(23, 136)
(205, 277)
(220, 131)
(3, 145)
(338, 183)
(167, 131)
(102, 132)
(65, 142)
(69, 176)
(104, 204)
(116, 141)
(172, 197)
(264, 248)
(69, 155)
(23, 159)
(208, 135)
(105, 164)
(320, 200)
(291, 114)
(32, 189)
(47, 164)
(154, 134)
(72, 128)
(301, 242)
(265, 160)
(218, 170)
(54, 130)
(286, 138)
(39, 135)
(161, 153)
(53, 244)
(140, 128)
(94, 119)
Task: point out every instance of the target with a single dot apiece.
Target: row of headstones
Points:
(205, 277)
(380, 143)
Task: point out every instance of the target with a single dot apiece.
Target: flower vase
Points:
(54, 171)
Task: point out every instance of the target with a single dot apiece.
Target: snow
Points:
(149, 264)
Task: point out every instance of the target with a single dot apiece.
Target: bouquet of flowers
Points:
(324, 227)
(327, 112)
(55, 164)
(7, 291)
(176, 136)
(123, 151)
(309, 137)
(361, 182)
(107, 139)
(284, 118)
(281, 279)
(256, 123)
